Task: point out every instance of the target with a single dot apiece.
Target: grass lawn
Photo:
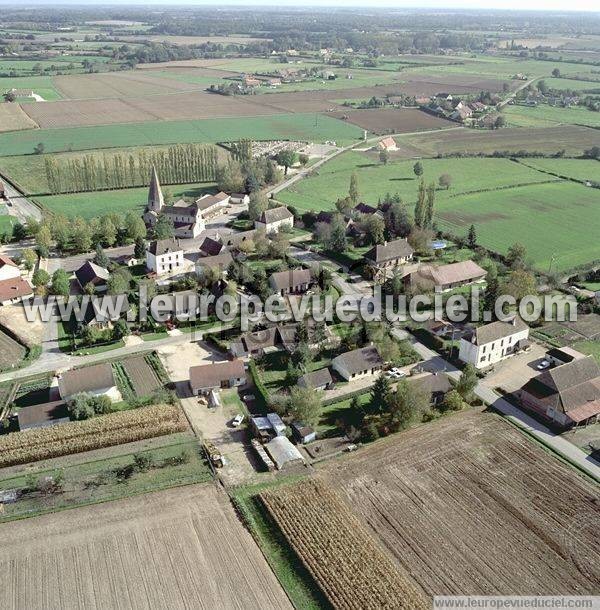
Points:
(97, 481)
(42, 85)
(6, 223)
(549, 116)
(273, 127)
(573, 85)
(293, 576)
(89, 205)
(484, 192)
(589, 347)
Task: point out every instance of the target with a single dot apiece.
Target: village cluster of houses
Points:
(454, 108)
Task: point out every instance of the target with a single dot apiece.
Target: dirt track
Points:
(182, 548)
(468, 505)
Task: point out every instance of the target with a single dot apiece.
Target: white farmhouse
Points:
(164, 256)
(491, 343)
(272, 220)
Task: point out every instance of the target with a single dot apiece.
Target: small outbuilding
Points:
(283, 453)
(303, 434)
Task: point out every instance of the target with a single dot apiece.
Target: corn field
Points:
(178, 164)
(96, 433)
(352, 570)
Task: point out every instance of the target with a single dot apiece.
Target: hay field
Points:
(470, 506)
(12, 118)
(11, 352)
(393, 120)
(178, 549)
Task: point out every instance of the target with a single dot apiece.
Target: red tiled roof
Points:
(14, 288)
(4, 260)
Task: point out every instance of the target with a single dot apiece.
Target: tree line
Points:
(178, 164)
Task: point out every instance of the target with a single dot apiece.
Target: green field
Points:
(42, 85)
(319, 192)
(549, 116)
(273, 127)
(578, 169)
(573, 85)
(6, 223)
(550, 216)
(90, 205)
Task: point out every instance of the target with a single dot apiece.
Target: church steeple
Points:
(155, 197)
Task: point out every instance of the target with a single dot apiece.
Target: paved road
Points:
(561, 446)
(19, 205)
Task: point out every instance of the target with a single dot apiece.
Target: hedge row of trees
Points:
(178, 164)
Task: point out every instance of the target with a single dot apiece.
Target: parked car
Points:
(237, 420)
(543, 365)
(398, 372)
(248, 397)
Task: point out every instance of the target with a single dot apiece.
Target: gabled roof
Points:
(87, 379)
(364, 208)
(399, 248)
(220, 261)
(359, 359)
(573, 388)
(14, 288)
(208, 201)
(290, 278)
(90, 273)
(42, 415)
(164, 246)
(275, 215)
(496, 331)
(211, 247)
(235, 239)
(5, 261)
(454, 273)
(211, 375)
(316, 379)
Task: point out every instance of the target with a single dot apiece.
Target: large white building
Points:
(274, 219)
(491, 343)
(165, 256)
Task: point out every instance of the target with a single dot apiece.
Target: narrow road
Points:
(18, 205)
(528, 424)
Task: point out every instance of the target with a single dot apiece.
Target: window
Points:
(483, 349)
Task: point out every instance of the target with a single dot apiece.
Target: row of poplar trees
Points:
(178, 164)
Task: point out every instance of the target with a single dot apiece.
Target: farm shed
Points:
(209, 377)
(239, 198)
(43, 415)
(563, 355)
(267, 427)
(283, 453)
(98, 380)
(302, 433)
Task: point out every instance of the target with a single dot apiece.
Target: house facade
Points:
(164, 256)
(491, 343)
(187, 219)
(208, 377)
(293, 281)
(209, 205)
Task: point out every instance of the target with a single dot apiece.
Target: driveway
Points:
(512, 374)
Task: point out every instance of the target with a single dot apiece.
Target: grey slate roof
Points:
(275, 215)
(498, 330)
(87, 379)
(164, 246)
(89, 272)
(399, 248)
(360, 359)
(288, 279)
(316, 379)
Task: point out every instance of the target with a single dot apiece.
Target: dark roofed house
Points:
(364, 208)
(384, 258)
(15, 289)
(273, 219)
(106, 310)
(235, 240)
(90, 273)
(211, 246)
(98, 380)
(293, 281)
(435, 386)
(358, 363)
(568, 395)
(447, 277)
(317, 380)
(42, 416)
(220, 262)
(207, 377)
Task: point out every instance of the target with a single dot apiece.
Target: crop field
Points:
(12, 118)
(275, 127)
(102, 431)
(347, 563)
(452, 82)
(11, 352)
(548, 116)
(141, 375)
(133, 83)
(573, 139)
(457, 501)
(91, 205)
(500, 197)
(176, 549)
(393, 120)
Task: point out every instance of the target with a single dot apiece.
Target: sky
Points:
(548, 5)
